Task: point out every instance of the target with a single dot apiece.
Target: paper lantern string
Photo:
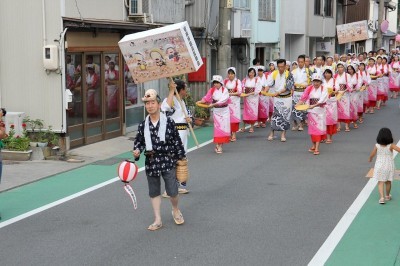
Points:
(131, 194)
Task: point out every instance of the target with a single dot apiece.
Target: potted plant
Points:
(36, 133)
(16, 147)
(45, 139)
(51, 139)
(200, 115)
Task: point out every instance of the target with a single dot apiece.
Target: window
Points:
(260, 54)
(134, 7)
(323, 8)
(317, 7)
(328, 8)
(267, 10)
(243, 4)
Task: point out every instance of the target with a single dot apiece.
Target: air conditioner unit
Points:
(139, 7)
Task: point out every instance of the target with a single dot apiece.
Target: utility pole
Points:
(224, 40)
(381, 13)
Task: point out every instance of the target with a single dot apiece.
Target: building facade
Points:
(264, 42)
(307, 27)
(353, 11)
(90, 71)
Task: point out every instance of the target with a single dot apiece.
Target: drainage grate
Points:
(110, 161)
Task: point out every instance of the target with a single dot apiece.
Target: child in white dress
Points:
(384, 164)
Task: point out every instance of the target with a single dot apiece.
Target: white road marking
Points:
(76, 195)
(333, 239)
(338, 232)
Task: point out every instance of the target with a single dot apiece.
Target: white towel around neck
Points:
(161, 131)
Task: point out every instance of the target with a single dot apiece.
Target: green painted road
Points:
(373, 238)
(29, 197)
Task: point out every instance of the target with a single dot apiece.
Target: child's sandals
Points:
(381, 201)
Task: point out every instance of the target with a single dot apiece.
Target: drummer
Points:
(218, 98)
(315, 96)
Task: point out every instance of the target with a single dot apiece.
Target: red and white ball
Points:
(127, 171)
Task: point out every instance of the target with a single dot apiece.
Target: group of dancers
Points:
(321, 96)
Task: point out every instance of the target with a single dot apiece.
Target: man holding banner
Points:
(159, 139)
(173, 108)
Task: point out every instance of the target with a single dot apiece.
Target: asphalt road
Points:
(259, 203)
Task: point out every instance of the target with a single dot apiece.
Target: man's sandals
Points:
(178, 218)
(154, 227)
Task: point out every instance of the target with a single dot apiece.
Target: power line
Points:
(76, 4)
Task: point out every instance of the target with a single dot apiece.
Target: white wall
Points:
(293, 16)
(392, 18)
(319, 26)
(90, 9)
(24, 85)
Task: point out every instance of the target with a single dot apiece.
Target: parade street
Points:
(259, 203)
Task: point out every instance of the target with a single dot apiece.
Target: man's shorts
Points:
(171, 185)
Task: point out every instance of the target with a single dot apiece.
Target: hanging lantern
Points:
(127, 172)
(398, 38)
(384, 26)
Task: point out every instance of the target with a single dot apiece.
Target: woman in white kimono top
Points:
(111, 78)
(355, 82)
(330, 107)
(218, 98)
(394, 84)
(316, 96)
(342, 86)
(172, 108)
(234, 86)
(366, 80)
(373, 86)
(386, 80)
(251, 87)
(263, 103)
(383, 81)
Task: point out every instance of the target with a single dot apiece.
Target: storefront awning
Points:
(389, 34)
(90, 24)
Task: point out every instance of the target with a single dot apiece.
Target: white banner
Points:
(352, 32)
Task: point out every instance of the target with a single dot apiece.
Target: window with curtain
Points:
(328, 8)
(267, 10)
(318, 7)
(323, 8)
(243, 4)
